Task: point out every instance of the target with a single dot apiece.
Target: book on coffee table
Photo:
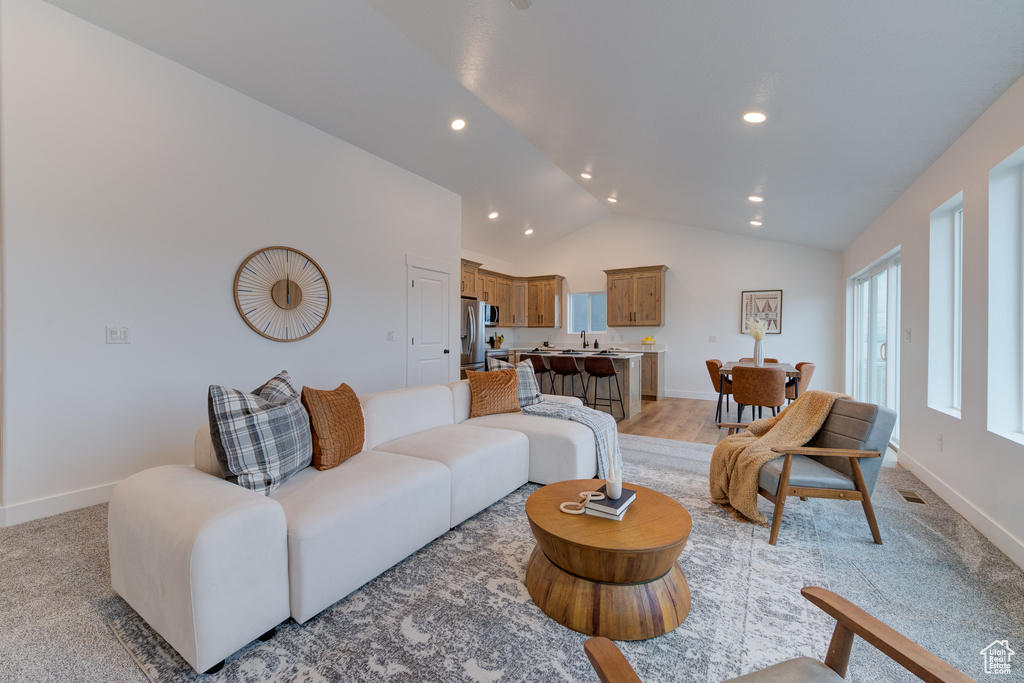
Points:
(606, 515)
(614, 506)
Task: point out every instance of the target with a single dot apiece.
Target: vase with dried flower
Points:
(757, 329)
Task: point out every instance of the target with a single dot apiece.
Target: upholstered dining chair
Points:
(760, 387)
(798, 385)
(840, 462)
(723, 385)
(751, 360)
(851, 621)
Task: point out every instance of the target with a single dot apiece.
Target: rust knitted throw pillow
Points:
(493, 392)
(336, 419)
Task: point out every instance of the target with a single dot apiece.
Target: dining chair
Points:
(798, 385)
(760, 387)
(751, 360)
(611, 666)
(723, 385)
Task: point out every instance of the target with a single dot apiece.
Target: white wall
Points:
(707, 272)
(132, 190)
(977, 472)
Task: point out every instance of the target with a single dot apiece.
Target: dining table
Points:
(726, 371)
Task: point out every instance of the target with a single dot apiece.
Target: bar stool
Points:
(540, 370)
(599, 367)
(565, 366)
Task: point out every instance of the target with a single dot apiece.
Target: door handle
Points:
(881, 351)
(446, 350)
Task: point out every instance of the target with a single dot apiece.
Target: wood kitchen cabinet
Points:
(504, 289)
(545, 301)
(636, 296)
(520, 307)
(470, 275)
(652, 375)
(487, 287)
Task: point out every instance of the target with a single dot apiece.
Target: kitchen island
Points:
(627, 364)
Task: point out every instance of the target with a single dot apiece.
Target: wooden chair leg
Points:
(869, 511)
(780, 499)
(838, 656)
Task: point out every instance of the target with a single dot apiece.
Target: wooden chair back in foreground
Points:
(798, 385)
(761, 387)
(722, 385)
(751, 360)
(851, 621)
(840, 462)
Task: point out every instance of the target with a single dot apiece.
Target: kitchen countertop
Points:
(578, 353)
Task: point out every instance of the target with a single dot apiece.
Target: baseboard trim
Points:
(701, 395)
(54, 505)
(1012, 546)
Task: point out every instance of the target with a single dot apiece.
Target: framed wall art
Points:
(762, 304)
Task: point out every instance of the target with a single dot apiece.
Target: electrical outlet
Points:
(389, 335)
(119, 335)
(939, 442)
(712, 338)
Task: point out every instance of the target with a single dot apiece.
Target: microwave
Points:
(490, 315)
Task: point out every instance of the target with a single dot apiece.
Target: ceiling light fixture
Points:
(458, 124)
(586, 176)
(612, 200)
(756, 224)
(755, 198)
(521, 4)
(754, 117)
(529, 231)
(492, 215)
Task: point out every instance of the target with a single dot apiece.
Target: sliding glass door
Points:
(876, 336)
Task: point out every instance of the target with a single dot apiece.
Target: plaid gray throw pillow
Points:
(528, 392)
(261, 438)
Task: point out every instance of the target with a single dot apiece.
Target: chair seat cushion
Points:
(805, 472)
(799, 670)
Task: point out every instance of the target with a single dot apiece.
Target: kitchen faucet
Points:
(584, 335)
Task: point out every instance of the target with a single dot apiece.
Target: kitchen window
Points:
(588, 312)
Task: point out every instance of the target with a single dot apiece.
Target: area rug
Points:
(458, 610)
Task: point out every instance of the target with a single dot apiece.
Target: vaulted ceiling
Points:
(645, 95)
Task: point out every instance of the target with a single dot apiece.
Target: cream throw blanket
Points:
(738, 458)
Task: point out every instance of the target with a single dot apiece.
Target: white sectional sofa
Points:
(211, 565)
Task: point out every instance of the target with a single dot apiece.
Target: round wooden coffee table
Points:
(601, 577)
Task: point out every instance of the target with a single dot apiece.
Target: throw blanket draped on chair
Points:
(602, 424)
(738, 458)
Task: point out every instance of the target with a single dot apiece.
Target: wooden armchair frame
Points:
(612, 667)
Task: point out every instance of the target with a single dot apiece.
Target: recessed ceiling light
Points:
(586, 175)
(458, 124)
(754, 117)
(521, 4)
(755, 198)
(756, 224)
(492, 215)
(529, 231)
(612, 200)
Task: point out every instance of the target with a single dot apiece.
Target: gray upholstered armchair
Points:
(840, 462)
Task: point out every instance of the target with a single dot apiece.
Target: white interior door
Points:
(876, 337)
(429, 352)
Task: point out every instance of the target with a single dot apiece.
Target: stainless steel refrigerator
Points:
(473, 354)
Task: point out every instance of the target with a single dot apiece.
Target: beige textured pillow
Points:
(493, 392)
(336, 419)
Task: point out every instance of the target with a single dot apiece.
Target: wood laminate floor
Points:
(682, 419)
